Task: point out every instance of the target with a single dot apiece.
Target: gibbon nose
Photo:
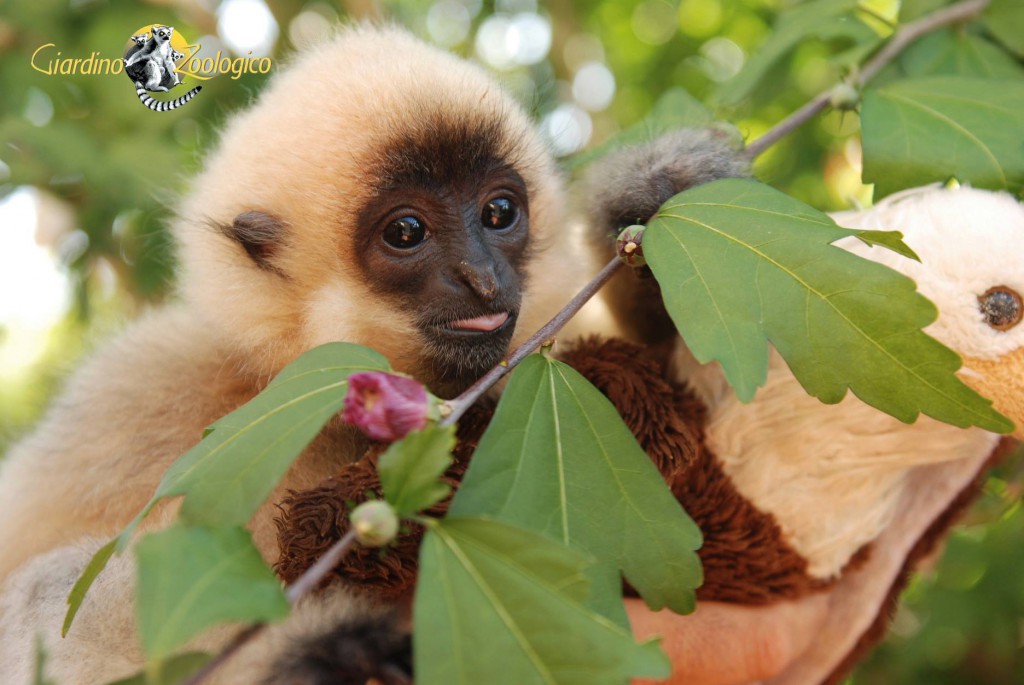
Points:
(480, 278)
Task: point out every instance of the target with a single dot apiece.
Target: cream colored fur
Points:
(833, 475)
(856, 601)
(299, 154)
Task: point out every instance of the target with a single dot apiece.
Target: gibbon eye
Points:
(405, 233)
(499, 213)
(1002, 307)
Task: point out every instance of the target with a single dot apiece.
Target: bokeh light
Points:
(34, 292)
(247, 26)
(505, 41)
(568, 128)
(654, 22)
(311, 26)
(700, 18)
(593, 87)
(448, 22)
(723, 59)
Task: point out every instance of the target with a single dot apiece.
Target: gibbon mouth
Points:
(483, 325)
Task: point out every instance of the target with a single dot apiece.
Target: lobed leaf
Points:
(243, 455)
(741, 265)
(194, 577)
(501, 605)
(410, 468)
(558, 459)
(924, 130)
(954, 52)
(228, 475)
(891, 240)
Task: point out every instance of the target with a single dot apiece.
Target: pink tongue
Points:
(488, 322)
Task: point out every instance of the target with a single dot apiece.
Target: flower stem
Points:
(953, 14)
(455, 408)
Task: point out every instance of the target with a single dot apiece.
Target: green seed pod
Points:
(629, 246)
(375, 523)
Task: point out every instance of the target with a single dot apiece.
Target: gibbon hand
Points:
(729, 644)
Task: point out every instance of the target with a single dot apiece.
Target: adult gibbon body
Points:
(380, 192)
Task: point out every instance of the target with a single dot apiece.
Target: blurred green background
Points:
(88, 178)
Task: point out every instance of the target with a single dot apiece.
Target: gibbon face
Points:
(446, 235)
(382, 192)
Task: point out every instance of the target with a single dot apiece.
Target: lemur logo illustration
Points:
(151, 60)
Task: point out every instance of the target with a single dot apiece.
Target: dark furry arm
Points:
(627, 187)
(375, 649)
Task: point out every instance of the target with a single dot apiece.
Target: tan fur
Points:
(1003, 381)
(300, 155)
(855, 604)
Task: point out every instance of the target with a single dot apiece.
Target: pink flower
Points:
(384, 406)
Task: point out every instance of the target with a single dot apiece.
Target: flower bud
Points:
(629, 246)
(384, 406)
(844, 97)
(374, 523)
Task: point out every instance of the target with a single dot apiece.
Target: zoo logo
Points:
(155, 58)
(151, 62)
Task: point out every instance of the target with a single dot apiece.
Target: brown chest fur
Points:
(745, 557)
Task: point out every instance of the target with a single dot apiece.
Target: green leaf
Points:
(558, 459)
(741, 265)
(924, 130)
(410, 468)
(958, 53)
(892, 240)
(228, 475)
(174, 671)
(915, 9)
(243, 455)
(193, 577)
(822, 19)
(81, 586)
(1005, 19)
(500, 605)
(675, 109)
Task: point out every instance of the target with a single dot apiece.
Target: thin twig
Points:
(455, 408)
(305, 584)
(961, 11)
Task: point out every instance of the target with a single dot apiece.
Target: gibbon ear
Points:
(260, 234)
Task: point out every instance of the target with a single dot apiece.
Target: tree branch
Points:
(455, 408)
(959, 12)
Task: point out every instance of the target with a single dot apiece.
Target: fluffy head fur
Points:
(311, 154)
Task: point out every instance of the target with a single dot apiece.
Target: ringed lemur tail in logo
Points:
(150, 61)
